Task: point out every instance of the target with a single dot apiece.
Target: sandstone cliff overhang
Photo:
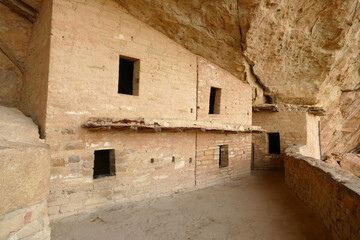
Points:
(164, 125)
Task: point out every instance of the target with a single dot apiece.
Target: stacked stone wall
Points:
(146, 165)
(332, 193)
(31, 222)
(208, 171)
(235, 100)
(291, 125)
(86, 42)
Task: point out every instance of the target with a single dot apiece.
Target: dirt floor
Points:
(256, 207)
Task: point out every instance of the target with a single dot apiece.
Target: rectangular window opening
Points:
(215, 96)
(274, 143)
(129, 76)
(104, 163)
(223, 156)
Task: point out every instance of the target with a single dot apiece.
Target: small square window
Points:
(104, 163)
(215, 97)
(223, 156)
(274, 143)
(129, 76)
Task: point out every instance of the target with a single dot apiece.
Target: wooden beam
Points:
(351, 90)
(317, 111)
(21, 8)
(266, 107)
(12, 56)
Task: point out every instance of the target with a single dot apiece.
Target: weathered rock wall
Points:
(14, 39)
(33, 101)
(332, 193)
(340, 128)
(24, 178)
(304, 51)
(15, 32)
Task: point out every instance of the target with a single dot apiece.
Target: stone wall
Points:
(31, 222)
(290, 124)
(35, 86)
(332, 193)
(146, 165)
(312, 148)
(208, 171)
(86, 42)
(236, 96)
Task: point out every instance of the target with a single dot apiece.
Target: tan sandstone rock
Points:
(351, 162)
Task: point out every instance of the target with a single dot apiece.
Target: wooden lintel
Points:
(351, 90)
(96, 124)
(317, 111)
(266, 107)
(146, 130)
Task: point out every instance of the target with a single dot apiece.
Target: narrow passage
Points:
(256, 207)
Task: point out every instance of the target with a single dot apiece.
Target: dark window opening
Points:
(215, 96)
(223, 156)
(274, 143)
(104, 163)
(129, 76)
(268, 99)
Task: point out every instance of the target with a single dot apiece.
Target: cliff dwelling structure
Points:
(149, 119)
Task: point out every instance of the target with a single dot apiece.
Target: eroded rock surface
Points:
(24, 164)
(351, 162)
(340, 128)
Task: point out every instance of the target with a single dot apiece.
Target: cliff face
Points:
(298, 52)
(340, 127)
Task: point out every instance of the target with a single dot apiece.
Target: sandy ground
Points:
(257, 207)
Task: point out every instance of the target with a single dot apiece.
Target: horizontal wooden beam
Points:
(266, 107)
(141, 125)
